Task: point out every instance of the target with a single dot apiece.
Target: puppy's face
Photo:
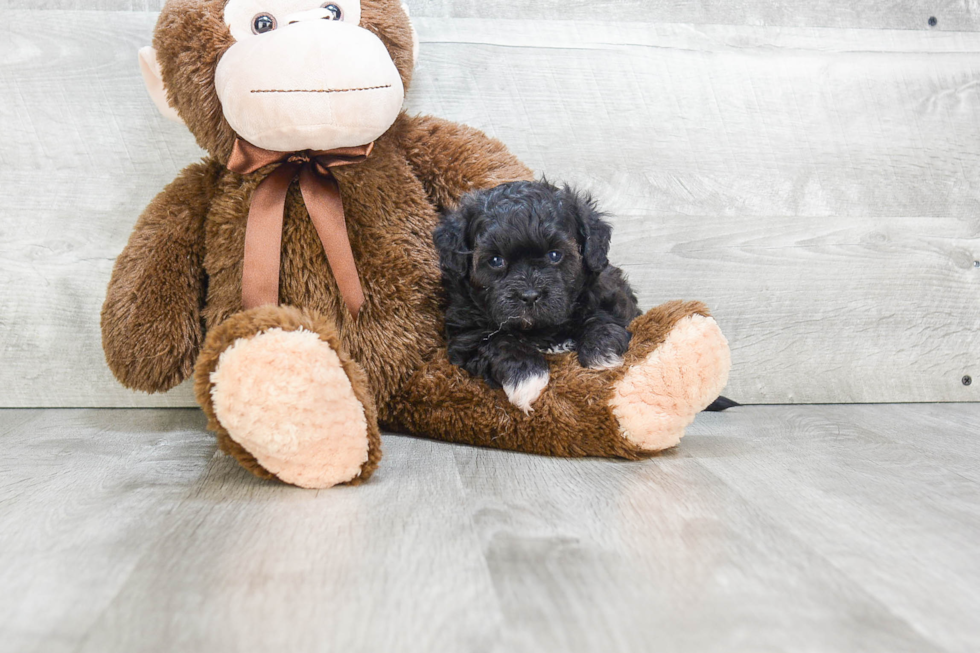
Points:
(528, 248)
(526, 266)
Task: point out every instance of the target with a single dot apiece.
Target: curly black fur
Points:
(500, 318)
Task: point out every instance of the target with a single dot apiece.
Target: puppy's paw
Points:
(523, 374)
(604, 361)
(525, 391)
(603, 347)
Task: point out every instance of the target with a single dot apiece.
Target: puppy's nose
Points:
(530, 296)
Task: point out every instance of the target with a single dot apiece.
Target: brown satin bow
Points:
(263, 232)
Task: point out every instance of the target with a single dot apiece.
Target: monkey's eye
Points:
(336, 13)
(497, 262)
(263, 23)
(555, 256)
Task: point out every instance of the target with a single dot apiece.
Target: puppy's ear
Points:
(594, 233)
(450, 239)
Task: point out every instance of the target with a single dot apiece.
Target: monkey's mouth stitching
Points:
(328, 90)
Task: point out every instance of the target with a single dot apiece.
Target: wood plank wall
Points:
(811, 171)
(961, 15)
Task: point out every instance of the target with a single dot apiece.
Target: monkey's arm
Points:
(151, 322)
(452, 159)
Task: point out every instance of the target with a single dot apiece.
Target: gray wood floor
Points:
(845, 528)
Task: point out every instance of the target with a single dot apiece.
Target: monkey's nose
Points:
(530, 296)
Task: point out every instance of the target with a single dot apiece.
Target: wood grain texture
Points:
(851, 502)
(79, 493)
(297, 570)
(828, 310)
(818, 188)
(85, 153)
(956, 15)
(791, 528)
(84, 5)
(960, 15)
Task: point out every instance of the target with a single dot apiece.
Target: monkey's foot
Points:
(285, 402)
(660, 395)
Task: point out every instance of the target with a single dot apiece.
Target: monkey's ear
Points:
(415, 36)
(594, 233)
(153, 78)
(450, 239)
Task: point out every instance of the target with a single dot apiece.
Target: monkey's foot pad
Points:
(659, 397)
(285, 398)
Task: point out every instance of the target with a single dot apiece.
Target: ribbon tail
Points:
(263, 239)
(322, 196)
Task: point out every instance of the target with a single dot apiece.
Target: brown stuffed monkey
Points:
(293, 271)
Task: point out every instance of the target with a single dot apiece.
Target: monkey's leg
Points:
(676, 365)
(286, 401)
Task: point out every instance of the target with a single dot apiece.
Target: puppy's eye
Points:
(336, 13)
(555, 256)
(496, 262)
(263, 23)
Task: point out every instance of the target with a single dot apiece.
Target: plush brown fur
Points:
(191, 238)
(151, 319)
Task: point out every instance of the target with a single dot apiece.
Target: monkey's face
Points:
(285, 75)
(303, 74)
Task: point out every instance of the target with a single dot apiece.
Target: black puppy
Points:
(525, 270)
